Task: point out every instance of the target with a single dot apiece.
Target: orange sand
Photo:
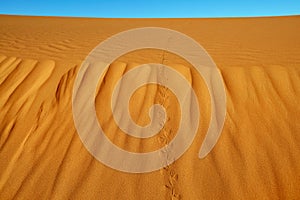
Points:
(256, 157)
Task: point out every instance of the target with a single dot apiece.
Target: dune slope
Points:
(256, 157)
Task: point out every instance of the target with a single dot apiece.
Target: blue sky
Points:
(151, 8)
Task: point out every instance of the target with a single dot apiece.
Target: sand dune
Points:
(256, 157)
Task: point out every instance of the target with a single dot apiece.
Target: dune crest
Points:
(256, 157)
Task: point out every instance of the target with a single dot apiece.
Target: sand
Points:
(256, 157)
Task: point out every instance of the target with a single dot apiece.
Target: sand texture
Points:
(256, 157)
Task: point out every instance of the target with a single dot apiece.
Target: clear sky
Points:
(151, 8)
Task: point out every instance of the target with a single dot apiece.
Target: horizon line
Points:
(216, 17)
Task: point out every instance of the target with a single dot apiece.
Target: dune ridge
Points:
(42, 157)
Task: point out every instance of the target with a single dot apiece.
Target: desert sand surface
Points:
(256, 157)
